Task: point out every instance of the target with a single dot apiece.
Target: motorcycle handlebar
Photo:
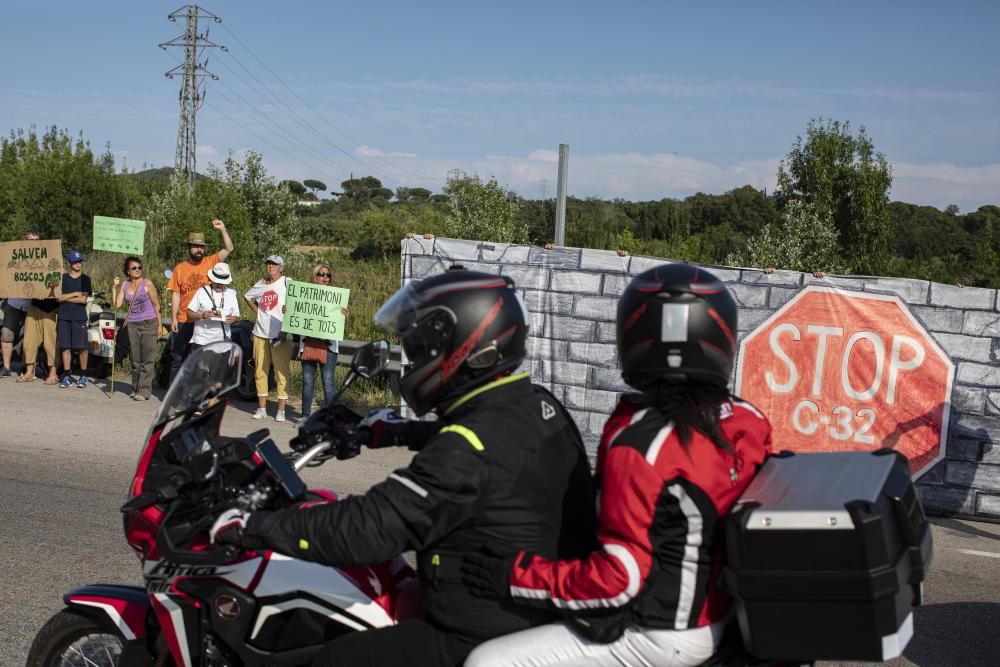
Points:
(217, 556)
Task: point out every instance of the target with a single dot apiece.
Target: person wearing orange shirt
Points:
(187, 278)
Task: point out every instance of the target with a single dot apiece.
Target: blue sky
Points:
(655, 99)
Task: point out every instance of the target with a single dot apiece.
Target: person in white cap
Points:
(214, 308)
(270, 347)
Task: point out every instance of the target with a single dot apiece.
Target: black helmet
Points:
(676, 323)
(459, 330)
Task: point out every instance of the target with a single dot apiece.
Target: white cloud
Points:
(942, 184)
(368, 151)
(205, 150)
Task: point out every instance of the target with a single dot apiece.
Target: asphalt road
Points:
(67, 456)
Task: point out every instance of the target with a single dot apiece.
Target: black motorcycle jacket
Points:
(506, 468)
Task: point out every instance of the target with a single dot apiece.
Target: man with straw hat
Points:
(187, 278)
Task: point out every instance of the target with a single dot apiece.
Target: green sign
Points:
(119, 235)
(314, 310)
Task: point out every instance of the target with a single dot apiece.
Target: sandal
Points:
(22, 379)
(51, 380)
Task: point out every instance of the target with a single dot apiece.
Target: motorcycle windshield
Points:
(208, 373)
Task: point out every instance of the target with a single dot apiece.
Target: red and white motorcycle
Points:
(205, 604)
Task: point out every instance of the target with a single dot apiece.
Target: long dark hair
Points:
(692, 406)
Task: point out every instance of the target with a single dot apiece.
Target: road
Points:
(67, 456)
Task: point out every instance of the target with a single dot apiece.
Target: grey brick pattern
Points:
(571, 295)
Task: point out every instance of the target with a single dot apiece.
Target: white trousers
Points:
(557, 645)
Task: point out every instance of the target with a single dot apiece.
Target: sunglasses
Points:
(322, 275)
(136, 267)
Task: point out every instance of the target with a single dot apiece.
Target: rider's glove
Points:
(487, 574)
(381, 428)
(229, 527)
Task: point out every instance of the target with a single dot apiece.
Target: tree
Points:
(314, 185)
(801, 241)
(296, 188)
(412, 195)
(483, 211)
(53, 183)
(360, 193)
(843, 179)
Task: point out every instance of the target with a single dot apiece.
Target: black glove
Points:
(487, 574)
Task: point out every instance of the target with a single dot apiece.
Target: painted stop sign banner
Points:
(849, 371)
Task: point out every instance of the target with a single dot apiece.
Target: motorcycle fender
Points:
(124, 606)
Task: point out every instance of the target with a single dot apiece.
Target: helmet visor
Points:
(404, 303)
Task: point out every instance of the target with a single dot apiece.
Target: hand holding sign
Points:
(315, 311)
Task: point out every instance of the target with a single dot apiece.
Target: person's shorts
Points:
(71, 335)
(13, 318)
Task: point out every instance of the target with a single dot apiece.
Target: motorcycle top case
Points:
(826, 555)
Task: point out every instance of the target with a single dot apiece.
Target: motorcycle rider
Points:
(506, 464)
(673, 460)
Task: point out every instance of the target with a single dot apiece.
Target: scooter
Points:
(205, 604)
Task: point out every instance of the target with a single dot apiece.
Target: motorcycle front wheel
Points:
(70, 639)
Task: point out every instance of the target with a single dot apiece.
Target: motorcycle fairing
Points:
(125, 606)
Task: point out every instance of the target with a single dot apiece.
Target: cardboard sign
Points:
(314, 310)
(27, 267)
(119, 235)
(849, 371)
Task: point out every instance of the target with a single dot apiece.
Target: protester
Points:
(40, 329)
(72, 324)
(214, 308)
(143, 324)
(506, 465)
(186, 279)
(318, 355)
(672, 461)
(270, 347)
(14, 312)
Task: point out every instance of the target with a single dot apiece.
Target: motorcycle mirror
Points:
(371, 359)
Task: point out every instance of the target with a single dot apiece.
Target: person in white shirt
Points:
(270, 347)
(214, 308)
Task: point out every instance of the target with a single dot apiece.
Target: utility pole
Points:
(561, 194)
(192, 74)
(544, 184)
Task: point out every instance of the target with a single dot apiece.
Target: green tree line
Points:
(831, 212)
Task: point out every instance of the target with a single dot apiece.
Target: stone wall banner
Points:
(838, 362)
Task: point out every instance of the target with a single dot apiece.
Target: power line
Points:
(311, 108)
(302, 120)
(276, 126)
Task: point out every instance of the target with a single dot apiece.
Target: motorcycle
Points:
(241, 333)
(205, 604)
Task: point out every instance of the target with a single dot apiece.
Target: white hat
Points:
(275, 259)
(220, 274)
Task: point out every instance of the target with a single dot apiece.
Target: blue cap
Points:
(74, 256)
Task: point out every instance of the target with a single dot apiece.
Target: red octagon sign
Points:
(849, 371)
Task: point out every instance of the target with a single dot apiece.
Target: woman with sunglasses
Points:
(143, 324)
(310, 350)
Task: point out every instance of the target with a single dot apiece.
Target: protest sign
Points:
(27, 266)
(119, 235)
(314, 310)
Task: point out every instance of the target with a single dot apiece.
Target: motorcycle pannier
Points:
(826, 555)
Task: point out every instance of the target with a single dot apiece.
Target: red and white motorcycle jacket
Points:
(659, 522)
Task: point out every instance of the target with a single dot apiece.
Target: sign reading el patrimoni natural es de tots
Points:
(28, 267)
(119, 235)
(314, 310)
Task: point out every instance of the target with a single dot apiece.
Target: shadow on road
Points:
(956, 633)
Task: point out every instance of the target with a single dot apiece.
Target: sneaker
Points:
(4, 373)
(280, 416)
(82, 382)
(137, 397)
(260, 413)
(66, 382)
